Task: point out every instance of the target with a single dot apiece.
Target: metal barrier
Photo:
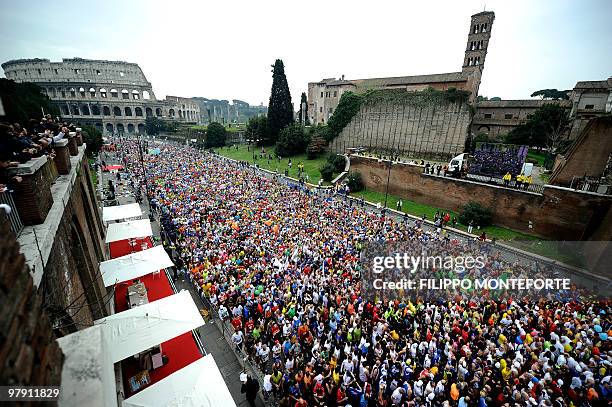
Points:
(7, 199)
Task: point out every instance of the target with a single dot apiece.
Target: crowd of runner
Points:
(281, 263)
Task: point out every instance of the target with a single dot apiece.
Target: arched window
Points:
(85, 110)
(120, 128)
(158, 112)
(171, 112)
(92, 92)
(135, 95)
(141, 128)
(82, 92)
(63, 93)
(106, 111)
(52, 93)
(128, 111)
(146, 95)
(72, 92)
(109, 128)
(65, 111)
(95, 110)
(103, 93)
(114, 93)
(180, 114)
(138, 111)
(130, 128)
(125, 94)
(117, 111)
(149, 112)
(75, 110)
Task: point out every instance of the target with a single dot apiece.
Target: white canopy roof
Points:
(110, 213)
(87, 373)
(128, 230)
(198, 384)
(134, 265)
(140, 328)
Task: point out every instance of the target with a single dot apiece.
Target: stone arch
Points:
(117, 111)
(141, 128)
(103, 93)
(146, 95)
(158, 112)
(106, 111)
(128, 111)
(85, 110)
(484, 129)
(65, 110)
(114, 93)
(125, 94)
(138, 111)
(75, 110)
(130, 128)
(72, 92)
(82, 92)
(171, 112)
(92, 92)
(135, 95)
(109, 128)
(149, 112)
(180, 114)
(52, 92)
(95, 110)
(120, 128)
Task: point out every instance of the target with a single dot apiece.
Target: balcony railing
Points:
(6, 198)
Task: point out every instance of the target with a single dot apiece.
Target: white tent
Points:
(198, 384)
(143, 327)
(87, 373)
(134, 265)
(110, 213)
(128, 230)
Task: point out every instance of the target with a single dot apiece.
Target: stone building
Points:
(113, 96)
(324, 95)
(496, 118)
(589, 99)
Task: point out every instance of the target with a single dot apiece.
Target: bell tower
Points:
(476, 49)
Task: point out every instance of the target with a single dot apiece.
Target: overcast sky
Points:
(223, 49)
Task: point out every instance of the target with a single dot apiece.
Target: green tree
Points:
(24, 101)
(317, 145)
(280, 110)
(304, 102)
(354, 181)
(215, 135)
(551, 94)
(154, 126)
(337, 162)
(543, 128)
(93, 139)
(292, 140)
(257, 129)
(475, 212)
(327, 172)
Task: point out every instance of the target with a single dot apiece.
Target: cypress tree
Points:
(280, 110)
(304, 101)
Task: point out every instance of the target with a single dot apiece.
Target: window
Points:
(125, 94)
(76, 71)
(589, 107)
(72, 92)
(508, 116)
(55, 71)
(114, 93)
(121, 74)
(97, 72)
(321, 94)
(330, 110)
(321, 109)
(39, 72)
(135, 95)
(82, 92)
(103, 93)
(488, 115)
(335, 94)
(92, 92)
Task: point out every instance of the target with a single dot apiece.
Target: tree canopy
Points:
(543, 128)
(93, 139)
(24, 101)
(551, 94)
(292, 140)
(215, 135)
(257, 129)
(280, 110)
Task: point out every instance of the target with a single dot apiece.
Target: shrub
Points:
(337, 162)
(316, 147)
(292, 140)
(327, 172)
(473, 211)
(355, 181)
(215, 135)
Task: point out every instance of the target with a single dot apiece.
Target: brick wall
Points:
(425, 130)
(29, 354)
(558, 213)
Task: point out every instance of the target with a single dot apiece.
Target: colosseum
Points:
(114, 96)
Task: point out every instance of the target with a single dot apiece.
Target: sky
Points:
(225, 49)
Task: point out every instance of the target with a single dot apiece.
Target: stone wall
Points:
(435, 130)
(29, 353)
(558, 213)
